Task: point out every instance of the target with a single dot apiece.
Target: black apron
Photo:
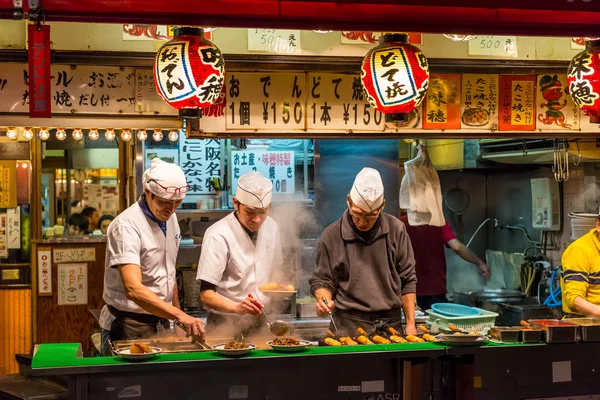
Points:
(131, 326)
(348, 322)
(225, 326)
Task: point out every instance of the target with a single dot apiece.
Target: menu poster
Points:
(336, 101)
(266, 100)
(442, 104)
(8, 184)
(278, 166)
(200, 160)
(13, 227)
(3, 239)
(72, 284)
(479, 105)
(44, 264)
(555, 109)
(517, 103)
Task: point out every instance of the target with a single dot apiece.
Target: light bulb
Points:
(28, 134)
(318, 31)
(142, 135)
(110, 134)
(77, 134)
(157, 136)
(173, 135)
(93, 135)
(126, 135)
(208, 29)
(61, 134)
(459, 38)
(12, 133)
(44, 134)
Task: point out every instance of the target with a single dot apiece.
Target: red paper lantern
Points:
(189, 72)
(583, 77)
(395, 76)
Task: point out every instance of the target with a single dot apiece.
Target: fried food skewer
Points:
(331, 342)
(398, 339)
(423, 329)
(362, 339)
(380, 340)
(429, 338)
(348, 341)
(414, 339)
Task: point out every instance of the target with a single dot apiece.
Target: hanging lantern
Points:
(189, 72)
(28, 134)
(77, 134)
(459, 38)
(93, 135)
(61, 134)
(142, 135)
(109, 134)
(44, 134)
(395, 76)
(158, 135)
(583, 77)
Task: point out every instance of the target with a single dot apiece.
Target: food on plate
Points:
(236, 345)
(380, 340)
(414, 339)
(277, 286)
(331, 342)
(362, 339)
(398, 339)
(348, 341)
(286, 341)
(473, 332)
(423, 329)
(140, 348)
(476, 116)
(429, 338)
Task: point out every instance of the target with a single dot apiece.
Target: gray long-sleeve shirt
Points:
(362, 277)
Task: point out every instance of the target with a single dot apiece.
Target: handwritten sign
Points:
(44, 272)
(13, 227)
(8, 184)
(442, 105)
(3, 240)
(278, 166)
(494, 46)
(274, 41)
(72, 284)
(267, 101)
(479, 105)
(517, 107)
(75, 255)
(555, 109)
(201, 160)
(336, 101)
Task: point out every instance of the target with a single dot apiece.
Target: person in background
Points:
(239, 253)
(93, 217)
(103, 224)
(365, 264)
(77, 224)
(140, 289)
(428, 244)
(581, 275)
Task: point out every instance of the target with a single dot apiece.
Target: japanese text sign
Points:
(274, 40)
(72, 284)
(75, 255)
(39, 71)
(442, 104)
(201, 161)
(517, 103)
(479, 105)
(13, 227)
(277, 166)
(555, 109)
(8, 184)
(494, 46)
(44, 264)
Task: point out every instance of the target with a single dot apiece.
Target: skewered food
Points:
(331, 342)
(362, 339)
(139, 348)
(423, 329)
(348, 341)
(414, 339)
(398, 339)
(286, 341)
(361, 331)
(393, 331)
(453, 328)
(380, 340)
(236, 345)
(472, 332)
(330, 334)
(429, 338)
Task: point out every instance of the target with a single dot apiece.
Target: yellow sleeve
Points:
(575, 275)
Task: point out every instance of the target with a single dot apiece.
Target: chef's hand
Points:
(410, 329)
(485, 271)
(324, 310)
(193, 326)
(250, 306)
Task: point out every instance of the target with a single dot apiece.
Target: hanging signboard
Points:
(336, 101)
(442, 104)
(39, 71)
(278, 166)
(479, 105)
(44, 264)
(555, 110)
(283, 41)
(13, 227)
(72, 284)
(75, 255)
(493, 46)
(3, 236)
(517, 103)
(266, 101)
(8, 184)
(201, 161)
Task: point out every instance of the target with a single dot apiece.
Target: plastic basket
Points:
(454, 310)
(480, 323)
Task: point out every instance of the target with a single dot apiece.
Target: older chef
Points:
(365, 264)
(239, 253)
(140, 290)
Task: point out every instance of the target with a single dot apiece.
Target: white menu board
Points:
(72, 284)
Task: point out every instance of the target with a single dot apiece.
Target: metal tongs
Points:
(330, 316)
(195, 338)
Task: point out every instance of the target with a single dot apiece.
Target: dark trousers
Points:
(348, 322)
(425, 302)
(131, 326)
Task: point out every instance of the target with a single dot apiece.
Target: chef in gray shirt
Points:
(365, 264)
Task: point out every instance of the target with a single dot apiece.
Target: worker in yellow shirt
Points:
(581, 275)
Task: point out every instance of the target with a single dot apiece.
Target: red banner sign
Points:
(39, 71)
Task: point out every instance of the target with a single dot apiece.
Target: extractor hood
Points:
(534, 151)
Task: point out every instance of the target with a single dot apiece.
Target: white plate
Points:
(461, 340)
(289, 349)
(220, 348)
(278, 294)
(126, 354)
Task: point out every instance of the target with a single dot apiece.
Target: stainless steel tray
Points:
(589, 328)
(556, 331)
(307, 310)
(505, 334)
(530, 335)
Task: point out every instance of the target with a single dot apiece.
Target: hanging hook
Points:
(578, 155)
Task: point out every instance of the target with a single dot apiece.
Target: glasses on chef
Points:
(172, 189)
(357, 213)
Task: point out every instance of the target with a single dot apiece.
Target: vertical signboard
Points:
(479, 106)
(517, 103)
(442, 104)
(39, 71)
